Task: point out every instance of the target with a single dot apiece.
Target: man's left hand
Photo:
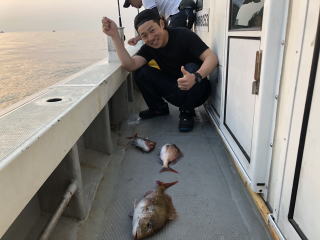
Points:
(187, 81)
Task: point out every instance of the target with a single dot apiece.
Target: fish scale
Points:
(153, 212)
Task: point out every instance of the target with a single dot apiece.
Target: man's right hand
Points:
(109, 27)
(134, 41)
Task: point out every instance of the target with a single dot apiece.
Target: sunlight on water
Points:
(31, 61)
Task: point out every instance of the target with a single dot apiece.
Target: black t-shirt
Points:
(184, 46)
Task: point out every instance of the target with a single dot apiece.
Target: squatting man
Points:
(184, 59)
(178, 13)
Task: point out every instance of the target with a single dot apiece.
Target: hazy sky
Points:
(59, 15)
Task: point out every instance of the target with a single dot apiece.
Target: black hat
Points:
(146, 15)
(126, 4)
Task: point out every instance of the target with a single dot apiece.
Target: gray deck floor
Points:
(211, 201)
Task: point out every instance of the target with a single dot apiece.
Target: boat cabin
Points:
(249, 170)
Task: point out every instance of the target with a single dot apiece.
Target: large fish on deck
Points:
(153, 212)
(169, 154)
(143, 144)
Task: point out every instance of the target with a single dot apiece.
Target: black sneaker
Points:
(151, 113)
(186, 121)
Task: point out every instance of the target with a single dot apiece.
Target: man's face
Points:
(153, 34)
(136, 3)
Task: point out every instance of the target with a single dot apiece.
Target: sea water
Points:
(32, 61)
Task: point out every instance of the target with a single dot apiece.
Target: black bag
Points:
(199, 5)
(187, 4)
(194, 4)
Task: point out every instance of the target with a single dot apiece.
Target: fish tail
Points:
(168, 169)
(166, 185)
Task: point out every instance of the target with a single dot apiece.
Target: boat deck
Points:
(210, 198)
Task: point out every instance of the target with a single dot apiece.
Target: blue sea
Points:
(32, 61)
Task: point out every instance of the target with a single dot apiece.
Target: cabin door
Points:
(250, 74)
(240, 101)
(241, 88)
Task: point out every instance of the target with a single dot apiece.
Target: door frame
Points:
(272, 44)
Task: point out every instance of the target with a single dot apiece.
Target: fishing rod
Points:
(120, 22)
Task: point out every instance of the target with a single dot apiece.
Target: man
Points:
(178, 13)
(184, 66)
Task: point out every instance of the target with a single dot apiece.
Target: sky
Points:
(61, 15)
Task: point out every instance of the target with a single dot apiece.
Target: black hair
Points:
(146, 15)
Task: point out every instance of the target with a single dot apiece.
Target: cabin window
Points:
(246, 14)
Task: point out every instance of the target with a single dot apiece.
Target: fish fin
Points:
(172, 214)
(180, 153)
(175, 161)
(147, 193)
(166, 185)
(167, 146)
(135, 203)
(151, 145)
(171, 210)
(168, 169)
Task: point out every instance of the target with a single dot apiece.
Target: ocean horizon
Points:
(33, 61)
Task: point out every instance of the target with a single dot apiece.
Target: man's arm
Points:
(149, 4)
(129, 63)
(210, 62)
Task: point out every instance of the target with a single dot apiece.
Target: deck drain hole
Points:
(54, 100)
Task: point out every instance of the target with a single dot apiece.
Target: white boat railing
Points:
(38, 135)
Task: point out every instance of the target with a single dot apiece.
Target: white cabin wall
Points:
(296, 67)
(217, 31)
(215, 37)
(285, 100)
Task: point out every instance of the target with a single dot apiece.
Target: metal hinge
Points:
(257, 71)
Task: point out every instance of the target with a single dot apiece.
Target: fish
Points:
(169, 154)
(143, 144)
(153, 211)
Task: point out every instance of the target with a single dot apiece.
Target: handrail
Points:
(36, 136)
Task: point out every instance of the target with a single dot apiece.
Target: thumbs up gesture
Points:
(187, 81)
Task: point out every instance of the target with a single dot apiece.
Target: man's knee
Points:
(141, 74)
(144, 73)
